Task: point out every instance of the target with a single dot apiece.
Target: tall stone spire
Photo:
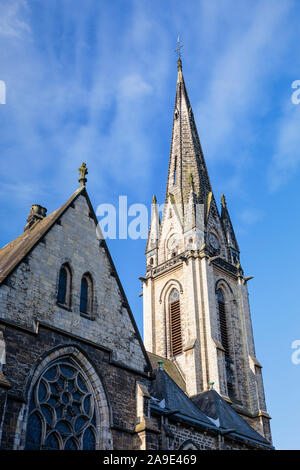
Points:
(195, 297)
(186, 156)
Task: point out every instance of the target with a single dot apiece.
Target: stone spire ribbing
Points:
(186, 156)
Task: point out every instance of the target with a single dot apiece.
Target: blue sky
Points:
(95, 81)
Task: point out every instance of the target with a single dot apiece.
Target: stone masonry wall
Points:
(25, 350)
(30, 292)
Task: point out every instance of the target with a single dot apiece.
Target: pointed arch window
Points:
(86, 295)
(223, 322)
(175, 323)
(225, 343)
(64, 286)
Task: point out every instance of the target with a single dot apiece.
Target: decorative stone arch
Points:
(68, 262)
(103, 438)
(188, 445)
(225, 287)
(168, 286)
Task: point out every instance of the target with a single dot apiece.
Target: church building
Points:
(75, 373)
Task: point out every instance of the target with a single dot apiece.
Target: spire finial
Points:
(154, 200)
(83, 171)
(178, 52)
(211, 385)
(160, 363)
(223, 200)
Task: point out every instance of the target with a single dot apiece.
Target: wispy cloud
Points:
(236, 86)
(286, 158)
(11, 23)
(251, 216)
(90, 84)
(69, 99)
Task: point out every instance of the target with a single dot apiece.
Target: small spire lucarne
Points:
(83, 171)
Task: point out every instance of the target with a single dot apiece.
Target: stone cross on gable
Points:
(83, 171)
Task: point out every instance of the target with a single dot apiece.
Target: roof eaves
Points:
(183, 418)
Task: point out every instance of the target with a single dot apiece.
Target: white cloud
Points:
(11, 22)
(133, 86)
(90, 88)
(237, 90)
(286, 158)
(251, 216)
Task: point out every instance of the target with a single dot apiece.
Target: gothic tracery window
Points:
(175, 323)
(64, 286)
(63, 413)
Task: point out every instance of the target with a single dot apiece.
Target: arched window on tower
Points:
(225, 342)
(64, 286)
(223, 322)
(175, 323)
(86, 294)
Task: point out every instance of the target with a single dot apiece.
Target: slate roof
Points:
(214, 406)
(208, 409)
(14, 252)
(170, 367)
(164, 388)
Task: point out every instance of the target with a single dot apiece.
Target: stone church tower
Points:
(74, 372)
(195, 296)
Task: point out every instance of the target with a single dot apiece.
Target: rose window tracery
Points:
(62, 412)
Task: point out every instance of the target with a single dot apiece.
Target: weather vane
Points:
(178, 48)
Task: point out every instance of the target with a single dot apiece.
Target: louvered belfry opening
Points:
(223, 323)
(225, 343)
(175, 323)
